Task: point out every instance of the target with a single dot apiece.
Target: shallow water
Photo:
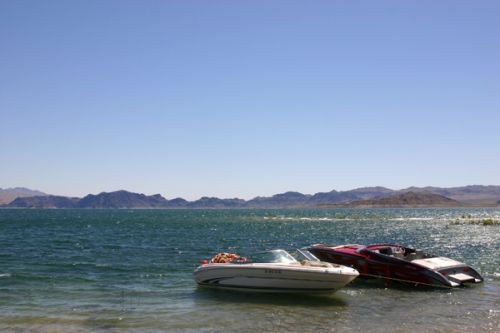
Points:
(131, 271)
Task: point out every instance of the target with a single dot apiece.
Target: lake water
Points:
(131, 271)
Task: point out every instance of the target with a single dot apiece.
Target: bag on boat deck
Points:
(224, 258)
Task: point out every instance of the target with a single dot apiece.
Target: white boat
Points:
(274, 271)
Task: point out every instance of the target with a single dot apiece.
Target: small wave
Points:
(5, 275)
(102, 265)
(293, 218)
(421, 218)
(412, 219)
(491, 276)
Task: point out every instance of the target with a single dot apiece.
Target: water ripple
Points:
(131, 271)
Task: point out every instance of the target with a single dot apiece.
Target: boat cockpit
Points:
(400, 252)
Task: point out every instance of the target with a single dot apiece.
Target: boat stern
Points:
(460, 275)
(454, 272)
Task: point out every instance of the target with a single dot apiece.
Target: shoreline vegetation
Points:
(473, 196)
(475, 221)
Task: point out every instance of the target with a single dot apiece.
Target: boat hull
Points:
(274, 277)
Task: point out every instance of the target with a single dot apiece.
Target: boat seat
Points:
(411, 256)
(315, 263)
(387, 251)
(420, 254)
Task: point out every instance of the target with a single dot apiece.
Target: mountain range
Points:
(402, 200)
(9, 194)
(473, 195)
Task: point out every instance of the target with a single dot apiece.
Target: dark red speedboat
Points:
(394, 262)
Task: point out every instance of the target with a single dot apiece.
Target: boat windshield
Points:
(303, 254)
(275, 256)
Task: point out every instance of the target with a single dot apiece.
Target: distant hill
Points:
(122, 199)
(349, 196)
(472, 194)
(297, 199)
(476, 195)
(177, 203)
(407, 199)
(9, 194)
(46, 201)
(206, 202)
(283, 200)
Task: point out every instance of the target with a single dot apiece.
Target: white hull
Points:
(275, 277)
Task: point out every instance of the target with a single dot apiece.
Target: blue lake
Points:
(131, 271)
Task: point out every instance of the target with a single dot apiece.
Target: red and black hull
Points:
(371, 264)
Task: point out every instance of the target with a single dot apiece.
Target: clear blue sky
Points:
(247, 98)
